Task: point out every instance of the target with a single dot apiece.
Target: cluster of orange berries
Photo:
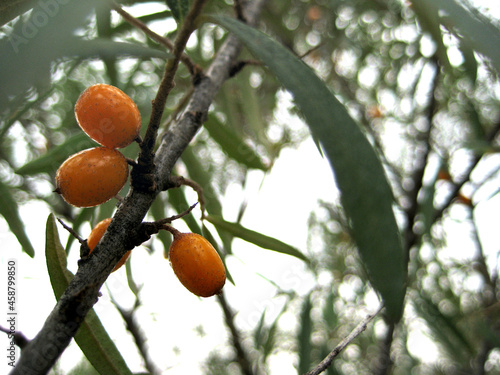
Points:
(94, 176)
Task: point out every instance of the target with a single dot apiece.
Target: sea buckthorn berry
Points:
(92, 177)
(96, 235)
(196, 264)
(108, 115)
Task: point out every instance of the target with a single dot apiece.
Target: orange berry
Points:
(196, 264)
(108, 115)
(92, 177)
(96, 235)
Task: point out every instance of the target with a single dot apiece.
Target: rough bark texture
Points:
(82, 293)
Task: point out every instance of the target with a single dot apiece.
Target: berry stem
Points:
(172, 230)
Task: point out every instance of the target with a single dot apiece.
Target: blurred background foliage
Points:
(423, 93)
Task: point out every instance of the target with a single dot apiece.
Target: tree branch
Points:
(145, 162)
(490, 137)
(140, 340)
(18, 337)
(325, 363)
(241, 354)
(384, 361)
(83, 291)
(411, 237)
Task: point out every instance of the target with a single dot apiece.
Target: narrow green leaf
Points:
(107, 48)
(426, 208)
(444, 329)
(428, 20)
(304, 337)
(179, 8)
(130, 279)
(259, 331)
(57, 264)
(476, 30)
(264, 336)
(365, 192)
(125, 26)
(10, 9)
(256, 238)
(233, 145)
(30, 46)
(251, 108)
(270, 343)
(52, 159)
(470, 62)
(92, 338)
(474, 119)
(10, 211)
(329, 314)
(98, 347)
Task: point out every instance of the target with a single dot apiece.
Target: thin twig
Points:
(186, 60)
(175, 217)
(384, 362)
(71, 231)
(325, 363)
(488, 296)
(135, 330)
(311, 50)
(418, 174)
(241, 354)
(19, 338)
(490, 137)
(146, 155)
(178, 181)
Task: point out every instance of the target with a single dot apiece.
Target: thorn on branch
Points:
(71, 231)
(175, 217)
(131, 162)
(19, 339)
(178, 181)
(144, 231)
